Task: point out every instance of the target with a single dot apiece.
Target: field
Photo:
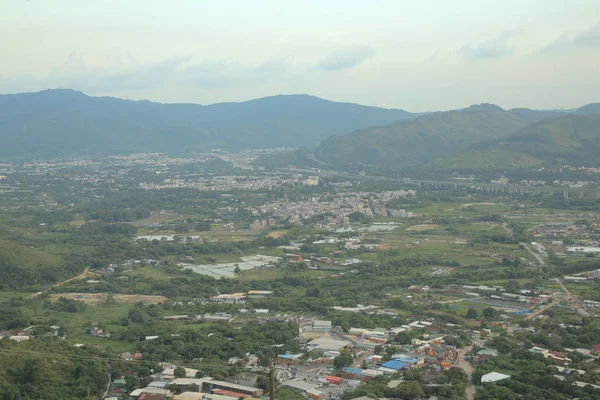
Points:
(422, 227)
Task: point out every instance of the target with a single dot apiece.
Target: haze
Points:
(414, 55)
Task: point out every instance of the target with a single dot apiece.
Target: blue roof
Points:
(393, 364)
(355, 371)
(286, 356)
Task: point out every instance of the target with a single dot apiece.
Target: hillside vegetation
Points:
(423, 139)
(569, 140)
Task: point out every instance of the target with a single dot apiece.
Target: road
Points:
(541, 310)
(555, 302)
(465, 366)
(564, 289)
(533, 253)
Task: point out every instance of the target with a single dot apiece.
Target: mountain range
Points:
(67, 122)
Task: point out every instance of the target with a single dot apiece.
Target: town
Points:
(234, 278)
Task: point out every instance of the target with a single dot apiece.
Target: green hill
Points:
(423, 139)
(21, 265)
(569, 140)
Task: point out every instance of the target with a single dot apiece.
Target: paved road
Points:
(533, 253)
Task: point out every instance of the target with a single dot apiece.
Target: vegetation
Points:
(423, 139)
(571, 139)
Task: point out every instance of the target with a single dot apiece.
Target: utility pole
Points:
(272, 381)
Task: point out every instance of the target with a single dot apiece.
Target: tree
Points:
(179, 372)
(490, 313)
(193, 388)
(343, 360)
(403, 338)
(237, 270)
(410, 390)
(471, 313)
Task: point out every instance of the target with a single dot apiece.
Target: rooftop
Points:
(494, 377)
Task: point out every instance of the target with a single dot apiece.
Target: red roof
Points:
(596, 347)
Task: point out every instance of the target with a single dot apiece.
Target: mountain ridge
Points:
(65, 121)
(439, 136)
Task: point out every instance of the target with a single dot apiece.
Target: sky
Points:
(417, 55)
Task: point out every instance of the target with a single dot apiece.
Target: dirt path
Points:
(533, 253)
(86, 272)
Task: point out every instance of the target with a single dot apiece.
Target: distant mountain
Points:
(588, 109)
(67, 122)
(421, 140)
(568, 140)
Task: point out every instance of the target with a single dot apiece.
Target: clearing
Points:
(100, 298)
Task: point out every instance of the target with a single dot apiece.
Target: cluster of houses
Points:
(224, 183)
(334, 211)
(166, 385)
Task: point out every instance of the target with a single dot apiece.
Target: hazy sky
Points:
(413, 54)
